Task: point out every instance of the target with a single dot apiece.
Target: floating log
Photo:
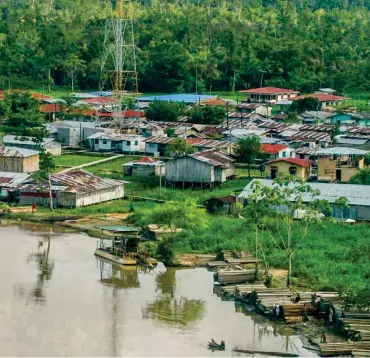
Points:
(228, 276)
(267, 353)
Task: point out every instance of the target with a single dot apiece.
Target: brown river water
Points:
(58, 299)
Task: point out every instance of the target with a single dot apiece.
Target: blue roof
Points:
(102, 94)
(187, 98)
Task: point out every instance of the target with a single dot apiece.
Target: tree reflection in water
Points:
(171, 310)
(44, 266)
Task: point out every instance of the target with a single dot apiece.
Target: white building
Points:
(116, 142)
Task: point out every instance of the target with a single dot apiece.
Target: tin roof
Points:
(322, 97)
(12, 139)
(206, 143)
(160, 140)
(17, 152)
(356, 194)
(213, 157)
(187, 98)
(306, 150)
(11, 180)
(114, 136)
(341, 151)
(81, 181)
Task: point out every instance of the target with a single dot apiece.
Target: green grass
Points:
(72, 160)
(115, 166)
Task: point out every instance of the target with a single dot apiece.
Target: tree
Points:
(22, 113)
(73, 65)
(207, 114)
(291, 198)
(247, 151)
(170, 132)
(47, 166)
(334, 132)
(164, 111)
(178, 147)
(306, 104)
(173, 215)
(362, 177)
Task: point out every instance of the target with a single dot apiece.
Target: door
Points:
(339, 175)
(273, 172)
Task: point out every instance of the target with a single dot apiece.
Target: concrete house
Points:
(151, 130)
(275, 151)
(300, 168)
(18, 160)
(357, 195)
(206, 169)
(325, 99)
(115, 142)
(269, 95)
(8, 184)
(49, 144)
(339, 163)
(72, 189)
(146, 166)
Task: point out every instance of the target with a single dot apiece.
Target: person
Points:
(331, 313)
(305, 313)
(34, 207)
(323, 338)
(132, 209)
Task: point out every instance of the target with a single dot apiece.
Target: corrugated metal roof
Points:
(341, 151)
(17, 152)
(214, 157)
(114, 136)
(12, 139)
(81, 181)
(187, 98)
(306, 150)
(12, 180)
(352, 141)
(160, 140)
(310, 135)
(356, 194)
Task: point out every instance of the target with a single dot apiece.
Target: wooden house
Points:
(289, 166)
(18, 160)
(221, 204)
(202, 168)
(72, 189)
(8, 184)
(115, 142)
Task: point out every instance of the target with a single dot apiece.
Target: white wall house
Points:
(116, 142)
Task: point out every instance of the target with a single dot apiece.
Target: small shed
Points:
(18, 160)
(221, 204)
(9, 183)
(146, 166)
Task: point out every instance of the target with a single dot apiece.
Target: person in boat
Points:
(215, 346)
(323, 338)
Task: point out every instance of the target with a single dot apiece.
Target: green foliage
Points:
(367, 159)
(306, 104)
(22, 113)
(362, 177)
(207, 114)
(179, 147)
(164, 111)
(170, 132)
(247, 150)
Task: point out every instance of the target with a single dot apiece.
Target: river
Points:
(58, 299)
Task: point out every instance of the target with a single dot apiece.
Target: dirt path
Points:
(92, 163)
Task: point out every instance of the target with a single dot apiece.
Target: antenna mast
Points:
(118, 66)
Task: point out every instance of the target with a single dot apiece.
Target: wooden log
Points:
(267, 353)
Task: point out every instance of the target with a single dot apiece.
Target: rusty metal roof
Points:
(11, 180)
(310, 135)
(17, 152)
(81, 181)
(214, 157)
(160, 140)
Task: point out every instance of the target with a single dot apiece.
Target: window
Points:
(143, 130)
(136, 142)
(284, 154)
(291, 154)
(128, 142)
(293, 170)
(96, 141)
(105, 141)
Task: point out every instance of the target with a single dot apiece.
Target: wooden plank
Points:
(267, 353)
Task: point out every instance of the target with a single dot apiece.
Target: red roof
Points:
(50, 108)
(99, 100)
(272, 148)
(269, 90)
(322, 97)
(146, 160)
(300, 162)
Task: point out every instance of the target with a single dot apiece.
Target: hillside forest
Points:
(184, 46)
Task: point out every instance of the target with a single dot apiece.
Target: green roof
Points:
(119, 228)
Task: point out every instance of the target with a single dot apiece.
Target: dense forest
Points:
(216, 44)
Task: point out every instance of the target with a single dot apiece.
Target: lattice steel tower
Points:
(118, 66)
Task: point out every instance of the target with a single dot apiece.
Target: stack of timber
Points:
(355, 326)
(266, 298)
(293, 312)
(244, 292)
(237, 275)
(356, 349)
